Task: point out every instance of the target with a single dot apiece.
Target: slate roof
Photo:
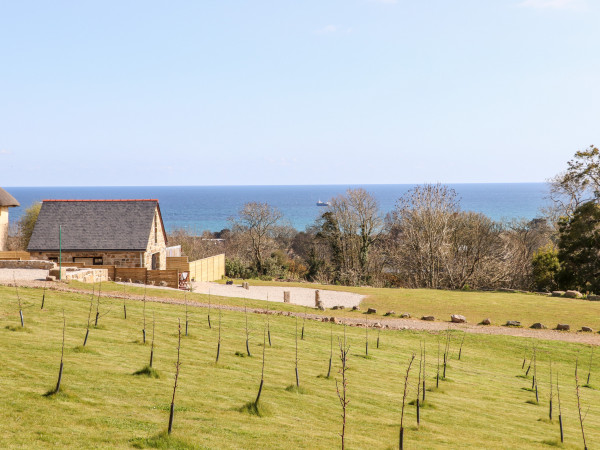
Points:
(94, 225)
(7, 200)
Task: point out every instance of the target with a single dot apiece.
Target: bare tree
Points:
(404, 401)
(423, 222)
(342, 388)
(351, 226)
(257, 222)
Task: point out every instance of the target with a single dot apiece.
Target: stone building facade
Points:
(121, 233)
(6, 201)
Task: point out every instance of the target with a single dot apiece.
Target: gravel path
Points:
(22, 274)
(375, 322)
(298, 296)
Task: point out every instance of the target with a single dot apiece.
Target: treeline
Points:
(427, 241)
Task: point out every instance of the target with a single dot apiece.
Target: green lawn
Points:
(474, 305)
(482, 404)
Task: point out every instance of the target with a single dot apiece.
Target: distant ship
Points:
(320, 203)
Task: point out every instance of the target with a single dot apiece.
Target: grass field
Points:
(474, 305)
(484, 403)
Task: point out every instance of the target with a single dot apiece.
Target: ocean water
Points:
(199, 208)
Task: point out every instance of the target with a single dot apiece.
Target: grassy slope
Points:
(481, 405)
(475, 306)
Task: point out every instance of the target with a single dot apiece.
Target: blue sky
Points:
(306, 92)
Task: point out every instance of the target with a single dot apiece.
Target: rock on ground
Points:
(457, 318)
(573, 294)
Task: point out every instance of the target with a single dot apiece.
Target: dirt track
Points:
(376, 322)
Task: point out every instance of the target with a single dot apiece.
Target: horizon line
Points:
(272, 185)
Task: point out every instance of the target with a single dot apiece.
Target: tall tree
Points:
(351, 226)
(579, 249)
(423, 218)
(578, 184)
(258, 224)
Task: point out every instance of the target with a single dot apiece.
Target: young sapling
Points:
(424, 364)
(401, 446)
(152, 345)
(124, 305)
(43, 296)
(296, 359)
(247, 332)
(330, 349)
(581, 418)
(186, 314)
(19, 301)
(437, 376)
(98, 304)
(177, 365)
(419, 388)
(62, 354)
(303, 322)
(367, 337)
(219, 337)
(209, 324)
(461, 346)
(144, 313)
(87, 331)
(551, 394)
(590, 367)
(560, 420)
(343, 394)
(262, 373)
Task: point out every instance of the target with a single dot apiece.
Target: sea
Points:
(199, 208)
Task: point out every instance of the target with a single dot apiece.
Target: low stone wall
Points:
(30, 264)
(80, 274)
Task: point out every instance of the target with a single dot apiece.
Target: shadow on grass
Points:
(325, 377)
(523, 376)
(533, 402)
(253, 409)
(60, 395)
(17, 328)
(363, 356)
(147, 371)
(423, 405)
(528, 389)
(590, 386)
(161, 440)
(553, 443)
(435, 389)
(241, 354)
(296, 389)
(82, 349)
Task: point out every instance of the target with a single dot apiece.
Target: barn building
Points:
(122, 233)
(6, 201)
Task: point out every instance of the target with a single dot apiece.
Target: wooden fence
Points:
(208, 269)
(180, 263)
(15, 255)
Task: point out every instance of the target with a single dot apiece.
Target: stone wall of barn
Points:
(156, 244)
(118, 259)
